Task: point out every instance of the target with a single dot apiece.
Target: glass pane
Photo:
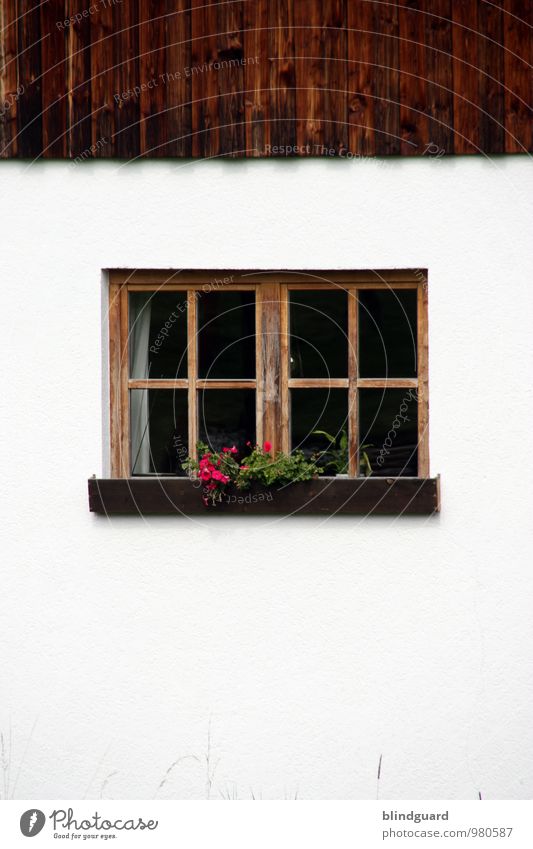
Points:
(324, 410)
(158, 335)
(388, 425)
(226, 335)
(227, 417)
(159, 431)
(318, 328)
(387, 333)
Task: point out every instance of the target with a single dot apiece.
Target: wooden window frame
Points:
(272, 383)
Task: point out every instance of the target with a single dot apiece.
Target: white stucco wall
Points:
(315, 646)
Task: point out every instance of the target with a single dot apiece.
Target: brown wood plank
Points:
(269, 379)
(318, 383)
(284, 353)
(466, 77)
(192, 371)
(9, 84)
(371, 496)
(165, 77)
(124, 396)
(439, 68)
(353, 371)
(126, 76)
(54, 78)
(518, 76)
(387, 383)
(178, 95)
(78, 83)
(202, 383)
(204, 53)
(248, 278)
(423, 382)
(29, 113)
(309, 64)
(387, 80)
(104, 83)
(230, 78)
(491, 81)
(414, 124)
(158, 384)
(361, 77)
(281, 53)
(115, 379)
(256, 77)
(335, 75)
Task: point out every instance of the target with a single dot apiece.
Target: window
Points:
(287, 357)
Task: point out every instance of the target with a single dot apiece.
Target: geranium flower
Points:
(205, 474)
(234, 450)
(267, 446)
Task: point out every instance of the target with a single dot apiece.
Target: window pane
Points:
(158, 335)
(387, 333)
(318, 328)
(227, 417)
(159, 431)
(325, 410)
(388, 421)
(226, 335)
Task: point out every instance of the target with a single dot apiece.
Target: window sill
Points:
(324, 496)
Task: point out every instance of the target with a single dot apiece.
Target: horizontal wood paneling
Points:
(208, 78)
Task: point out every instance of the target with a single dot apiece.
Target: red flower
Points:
(226, 450)
(248, 444)
(205, 474)
(234, 450)
(244, 467)
(267, 446)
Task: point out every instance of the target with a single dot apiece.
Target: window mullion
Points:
(353, 416)
(192, 370)
(268, 364)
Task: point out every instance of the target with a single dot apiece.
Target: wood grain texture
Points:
(229, 74)
(9, 95)
(413, 83)
(439, 69)
(165, 77)
(387, 79)
(256, 77)
(281, 57)
(78, 83)
(104, 83)
(518, 42)
(54, 44)
(127, 75)
(361, 78)
(466, 77)
(29, 113)
(210, 78)
(269, 295)
(491, 80)
(204, 53)
(327, 496)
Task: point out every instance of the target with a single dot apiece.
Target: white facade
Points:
(312, 646)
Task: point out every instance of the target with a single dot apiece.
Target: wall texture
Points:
(310, 647)
(128, 78)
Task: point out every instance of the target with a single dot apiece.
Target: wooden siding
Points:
(179, 78)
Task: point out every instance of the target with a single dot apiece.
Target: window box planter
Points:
(324, 496)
